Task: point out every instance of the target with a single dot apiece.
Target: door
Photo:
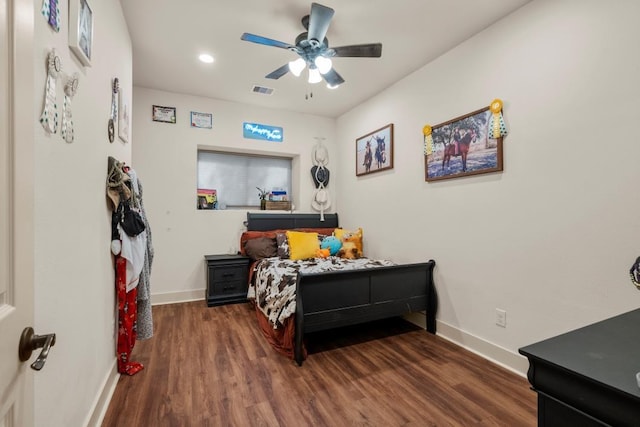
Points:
(17, 122)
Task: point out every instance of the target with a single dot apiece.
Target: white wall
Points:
(165, 158)
(74, 279)
(551, 239)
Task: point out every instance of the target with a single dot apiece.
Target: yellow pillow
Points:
(302, 245)
(350, 236)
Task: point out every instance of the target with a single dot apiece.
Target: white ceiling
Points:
(168, 35)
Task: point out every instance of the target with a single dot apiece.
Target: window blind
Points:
(236, 176)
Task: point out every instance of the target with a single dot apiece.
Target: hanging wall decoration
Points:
(70, 89)
(81, 30)
(320, 175)
(428, 140)
(164, 114)
(201, 120)
(49, 116)
(374, 151)
(497, 128)
(51, 13)
(263, 132)
(113, 115)
(466, 145)
(123, 117)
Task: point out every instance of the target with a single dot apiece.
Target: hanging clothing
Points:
(117, 180)
(133, 257)
(133, 249)
(127, 316)
(145, 318)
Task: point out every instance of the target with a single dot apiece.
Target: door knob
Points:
(30, 341)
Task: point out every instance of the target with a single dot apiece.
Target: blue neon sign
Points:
(264, 132)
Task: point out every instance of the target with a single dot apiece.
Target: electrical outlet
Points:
(501, 317)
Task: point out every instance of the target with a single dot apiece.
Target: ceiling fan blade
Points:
(333, 78)
(370, 50)
(319, 20)
(265, 41)
(276, 74)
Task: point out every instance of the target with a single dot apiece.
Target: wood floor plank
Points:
(210, 366)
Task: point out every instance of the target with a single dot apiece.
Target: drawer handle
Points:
(227, 275)
(228, 288)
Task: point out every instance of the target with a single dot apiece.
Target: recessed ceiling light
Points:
(206, 58)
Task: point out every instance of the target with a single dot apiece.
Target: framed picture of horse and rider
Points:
(374, 151)
(463, 146)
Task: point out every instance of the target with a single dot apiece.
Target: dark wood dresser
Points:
(587, 377)
(227, 279)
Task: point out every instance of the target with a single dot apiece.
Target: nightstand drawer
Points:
(226, 288)
(227, 279)
(228, 274)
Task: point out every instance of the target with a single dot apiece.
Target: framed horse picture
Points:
(374, 151)
(463, 147)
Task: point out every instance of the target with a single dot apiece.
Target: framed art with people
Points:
(374, 151)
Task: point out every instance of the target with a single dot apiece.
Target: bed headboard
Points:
(284, 221)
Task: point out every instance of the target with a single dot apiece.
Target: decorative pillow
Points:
(302, 245)
(283, 245)
(248, 235)
(350, 236)
(261, 247)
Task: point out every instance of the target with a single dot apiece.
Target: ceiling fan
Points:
(313, 48)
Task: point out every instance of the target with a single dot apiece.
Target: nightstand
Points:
(227, 279)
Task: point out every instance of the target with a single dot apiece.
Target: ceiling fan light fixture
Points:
(314, 75)
(324, 64)
(297, 66)
(206, 58)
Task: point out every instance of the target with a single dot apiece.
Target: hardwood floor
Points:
(210, 366)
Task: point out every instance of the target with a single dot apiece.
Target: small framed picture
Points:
(201, 120)
(374, 151)
(81, 30)
(164, 114)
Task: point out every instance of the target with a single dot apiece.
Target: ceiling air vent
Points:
(261, 89)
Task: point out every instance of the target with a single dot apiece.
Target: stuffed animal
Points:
(349, 250)
(354, 238)
(332, 243)
(322, 253)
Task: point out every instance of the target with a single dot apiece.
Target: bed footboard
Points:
(341, 298)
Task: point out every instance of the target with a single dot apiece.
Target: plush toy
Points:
(322, 253)
(332, 243)
(354, 236)
(349, 250)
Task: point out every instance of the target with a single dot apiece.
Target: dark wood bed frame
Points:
(342, 298)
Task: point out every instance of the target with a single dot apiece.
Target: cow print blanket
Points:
(274, 284)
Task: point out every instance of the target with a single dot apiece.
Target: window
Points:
(236, 176)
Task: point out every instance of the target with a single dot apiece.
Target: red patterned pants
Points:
(127, 317)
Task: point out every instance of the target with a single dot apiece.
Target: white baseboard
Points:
(501, 356)
(176, 297)
(101, 403)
